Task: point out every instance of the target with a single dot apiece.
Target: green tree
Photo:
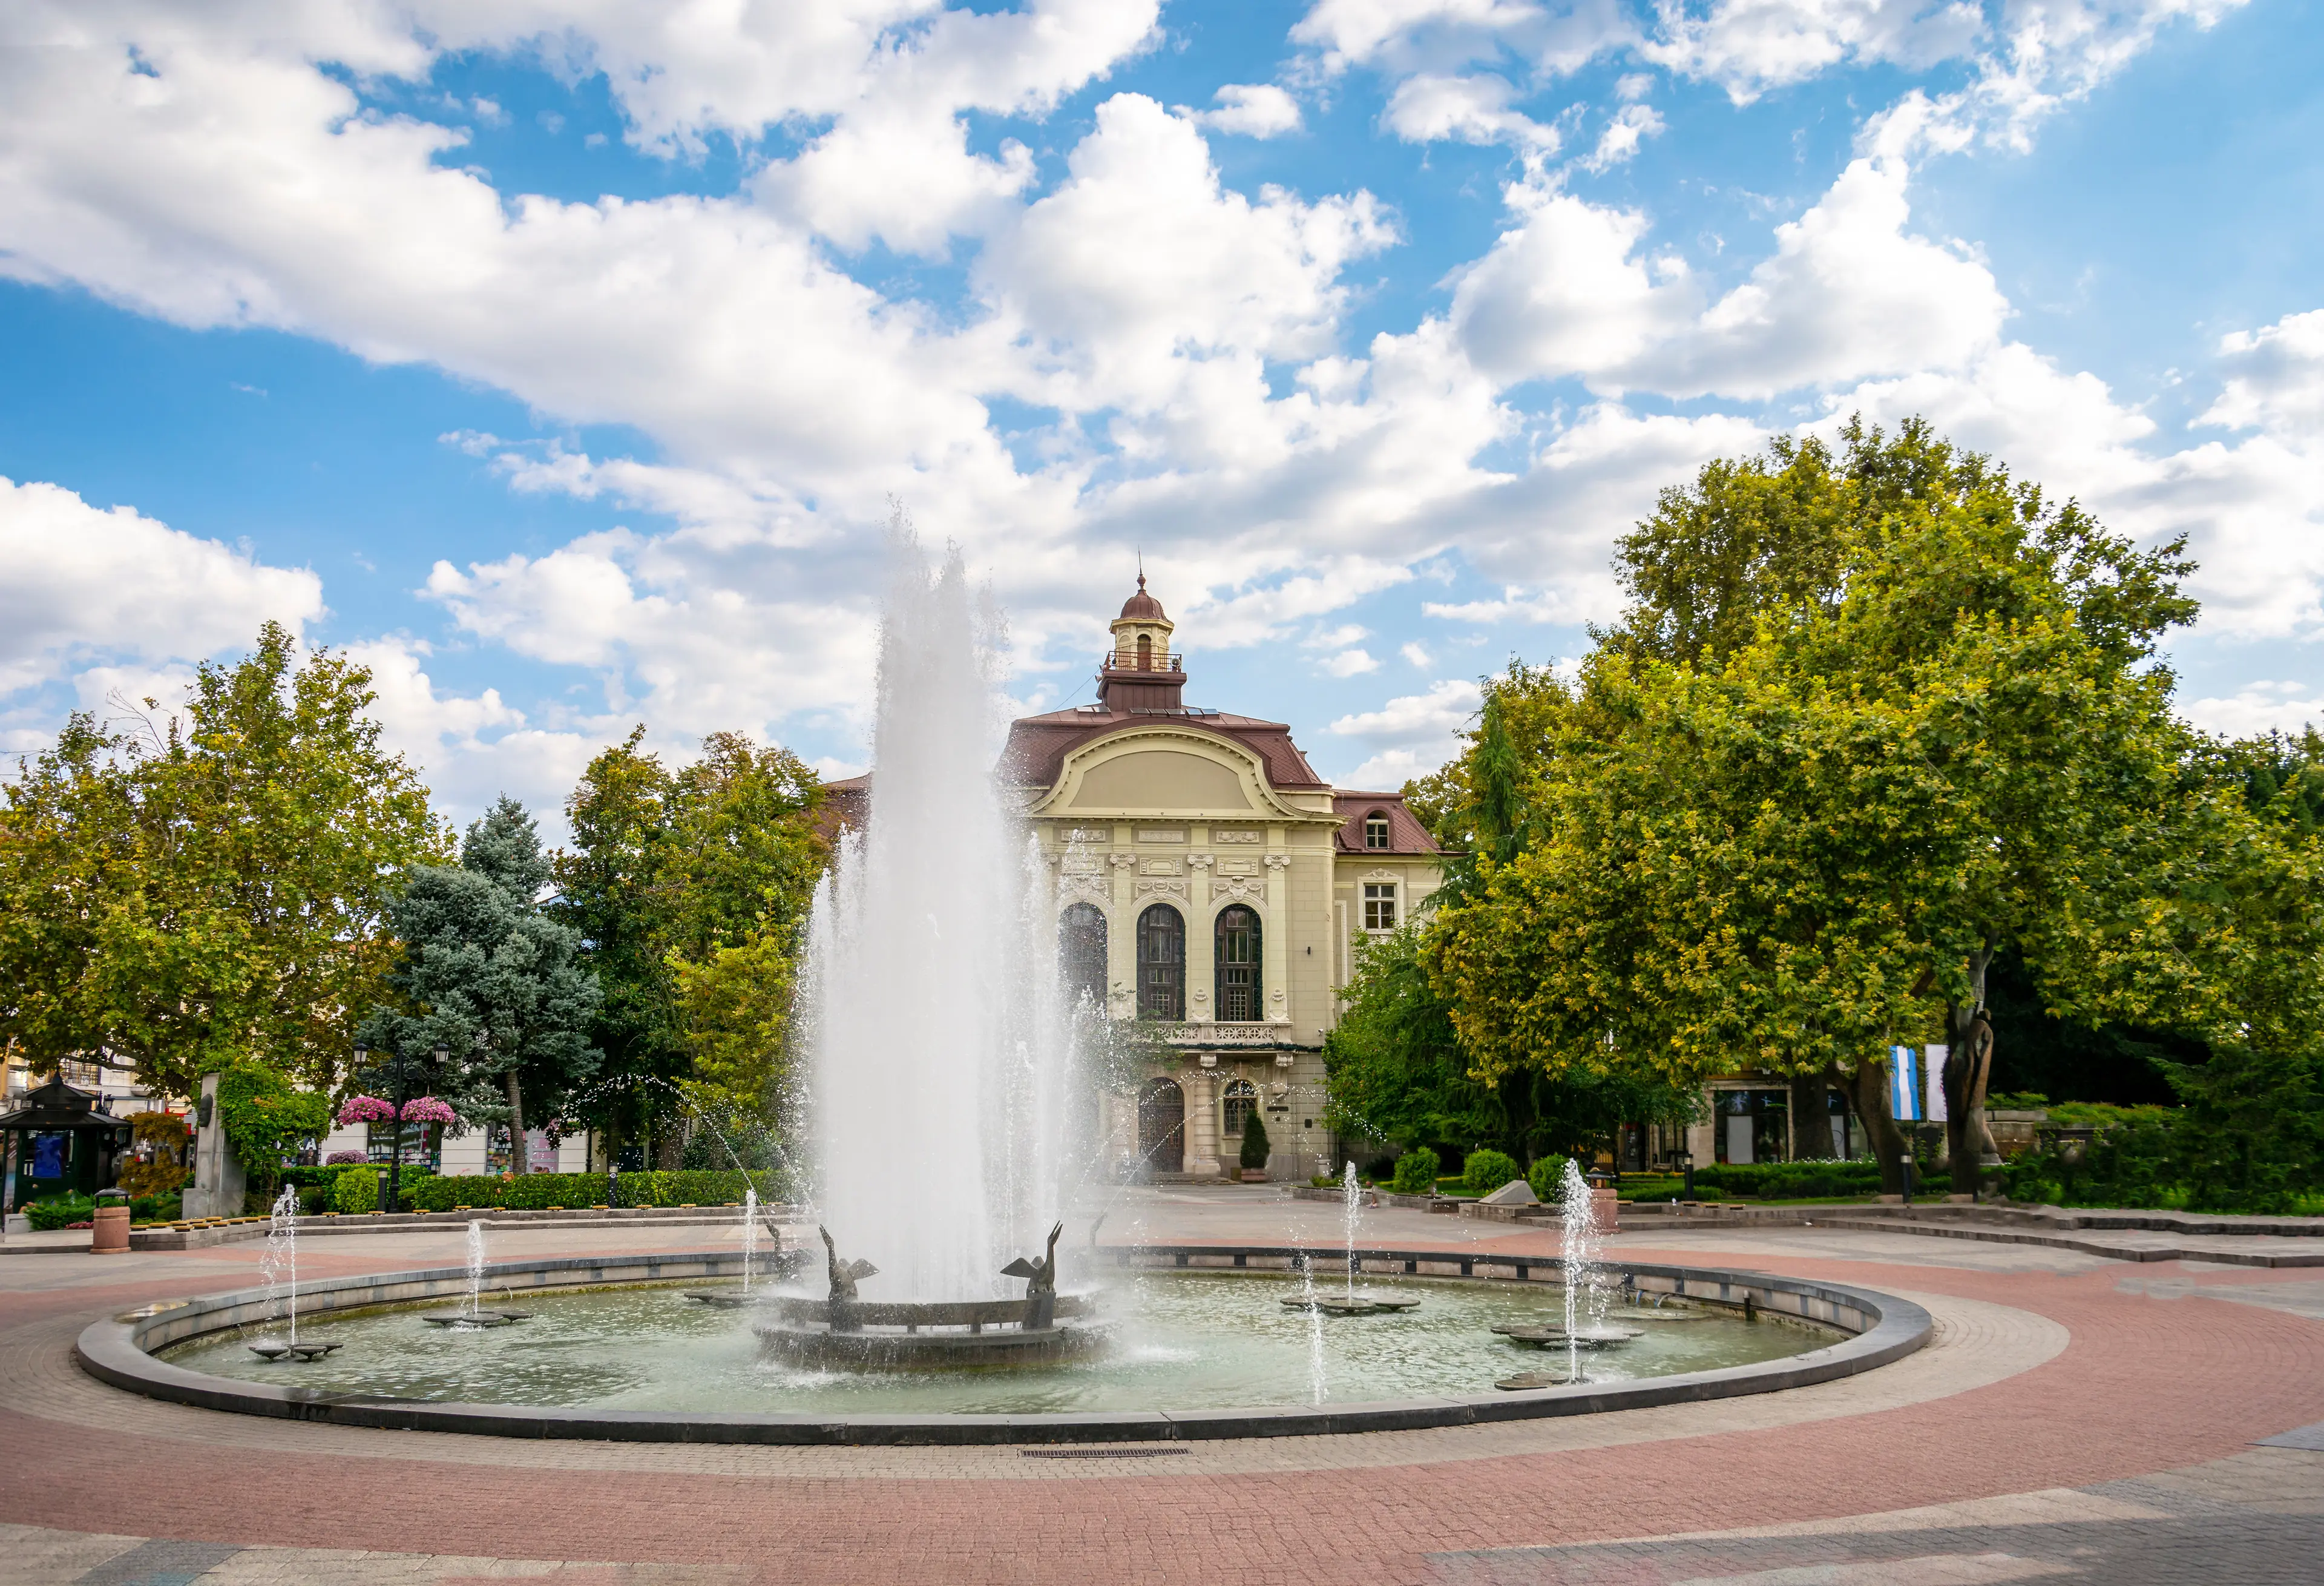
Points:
(1865, 723)
(691, 889)
(488, 977)
(1399, 1073)
(179, 896)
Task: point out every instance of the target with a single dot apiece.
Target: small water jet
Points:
(1581, 1252)
(1353, 1302)
(474, 1315)
(278, 1264)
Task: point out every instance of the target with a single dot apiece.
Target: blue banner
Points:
(1905, 1084)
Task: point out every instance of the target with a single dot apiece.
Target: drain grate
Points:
(1101, 1454)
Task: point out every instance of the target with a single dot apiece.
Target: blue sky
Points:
(562, 362)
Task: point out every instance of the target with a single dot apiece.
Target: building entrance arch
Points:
(1162, 1127)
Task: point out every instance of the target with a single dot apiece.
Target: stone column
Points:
(1201, 1122)
(218, 1184)
(1121, 940)
(1275, 948)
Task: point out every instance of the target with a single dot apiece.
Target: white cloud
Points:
(1416, 654)
(1412, 735)
(2275, 379)
(1630, 127)
(83, 582)
(1474, 109)
(2261, 707)
(1350, 663)
(1750, 46)
(1250, 110)
(1849, 292)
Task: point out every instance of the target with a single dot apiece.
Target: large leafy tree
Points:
(208, 886)
(1398, 1075)
(489, 978)
(689, 888)
(1868, 720)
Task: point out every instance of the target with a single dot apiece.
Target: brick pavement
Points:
(2090, 1387)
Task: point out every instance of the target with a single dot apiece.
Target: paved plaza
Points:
(2077, 1418)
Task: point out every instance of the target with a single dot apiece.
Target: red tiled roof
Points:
(1406, 835)
(1037, 745)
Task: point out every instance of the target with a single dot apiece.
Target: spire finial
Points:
(1141, 572)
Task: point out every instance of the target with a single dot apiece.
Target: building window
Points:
(1242, 1100)
(1375, 829)
(1161, 963)
(1380, 906)
(1081, 955)
(1146, 652)
(1238, 964)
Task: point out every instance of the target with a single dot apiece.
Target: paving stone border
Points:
(117, 1350)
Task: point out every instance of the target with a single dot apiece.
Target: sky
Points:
(565, 364)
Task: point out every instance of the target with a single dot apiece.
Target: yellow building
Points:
(1213, 887)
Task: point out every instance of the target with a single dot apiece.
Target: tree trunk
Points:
(1868, 1092)
(1969, 1065)
(520, 1151)
(1811, 1119)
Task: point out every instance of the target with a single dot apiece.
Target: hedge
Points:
(1798, 1181)
(1486, 1171)
(1416, 1172)
(534, 1191)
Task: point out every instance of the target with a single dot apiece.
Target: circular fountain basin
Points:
(1193, 1354)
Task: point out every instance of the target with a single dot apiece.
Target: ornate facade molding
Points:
(1277, 860)
(1157, 889)
(1079, 889)
(1239, 888)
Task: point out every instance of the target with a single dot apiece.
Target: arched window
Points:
(1081, 955)
(1375, 829)
(1146, 652)
(1161, 963)
(1241, 1098)
(1237, 963)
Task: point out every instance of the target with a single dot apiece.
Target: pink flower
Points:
(366, 1109)
(426, 1110)
(336, 1157)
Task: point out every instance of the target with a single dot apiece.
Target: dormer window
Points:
(1375, 829)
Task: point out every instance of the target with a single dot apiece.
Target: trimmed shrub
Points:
(1487, 1170)
(1254, 1143)
(1547, 1178)
(60, 1212)
(357, 1189)
(538, 1190)
(1416, 1172)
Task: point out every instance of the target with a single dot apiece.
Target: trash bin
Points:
(108, 1234)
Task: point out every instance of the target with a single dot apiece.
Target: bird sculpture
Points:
(1041, 1284)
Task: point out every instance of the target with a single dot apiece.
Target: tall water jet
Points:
(475, 1269)
(750, 1235)
(1351, 1200)
(1584, 1274)
(940, 1051)
(279, 1264)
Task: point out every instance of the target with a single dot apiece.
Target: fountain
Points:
(941, 1041)
(1352, 1303)
(1580, 1256)
(474, 1315)
(279, 1265)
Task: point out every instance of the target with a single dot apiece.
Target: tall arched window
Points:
(1146, 652)
(1241, 1098)
(1237, 963)
(1161, 963)
(1081, 955)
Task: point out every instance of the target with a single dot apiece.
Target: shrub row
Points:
(535, 1191)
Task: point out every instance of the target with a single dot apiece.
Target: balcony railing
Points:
(1116, 662)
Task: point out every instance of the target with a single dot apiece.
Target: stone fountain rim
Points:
(117, 1350)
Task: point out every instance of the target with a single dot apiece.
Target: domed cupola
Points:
(1141, 673)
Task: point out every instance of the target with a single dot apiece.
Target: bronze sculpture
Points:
(1040, 1285)
(845, 1276)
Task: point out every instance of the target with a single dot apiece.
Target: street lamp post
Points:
(391, 1194)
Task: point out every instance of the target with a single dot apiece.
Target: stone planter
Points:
(1254, 1175)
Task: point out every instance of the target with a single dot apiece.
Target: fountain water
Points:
(1351, 1201)
(1316, 1383)
(475, 1269)
(940, 1041)
(1584, 1275)
(749, 1236)
(279, 1265)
